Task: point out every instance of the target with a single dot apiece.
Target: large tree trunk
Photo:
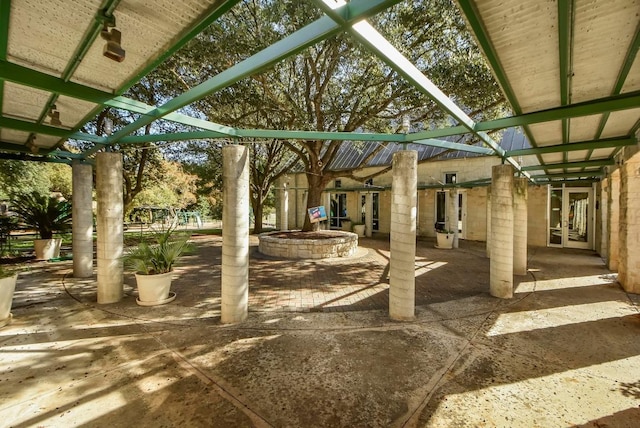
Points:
(317, 183)
(257, 203)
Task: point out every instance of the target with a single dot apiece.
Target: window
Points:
(369, 182)
(450, 178)
(338, 184)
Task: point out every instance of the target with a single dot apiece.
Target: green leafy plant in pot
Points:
(153, 264)
(46, 214)
(7, 287)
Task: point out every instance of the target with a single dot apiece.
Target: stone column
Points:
(402, 281)
(614, 218)
(82, 225)
(489, 221)
(368, 214)
(501, 265)
(110, 230)
(235, 234)
(629, 225)
(327, 208)
(604, 218)
(284, 207)
(452, 215)
(520, 188)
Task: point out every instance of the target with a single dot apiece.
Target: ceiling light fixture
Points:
(112, 49)
(54, 114)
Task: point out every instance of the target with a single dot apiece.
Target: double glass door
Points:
(570, 217)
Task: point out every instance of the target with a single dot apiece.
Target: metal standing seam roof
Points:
(568, 68)
(352, 155)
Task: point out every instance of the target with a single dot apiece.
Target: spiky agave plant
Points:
(159, 256)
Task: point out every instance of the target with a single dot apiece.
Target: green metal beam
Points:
(216, 11)
(565, 165)
(372, 40)
(5, 13)
(628, 100)
(290, 45)
(583, 174)
(22, 125)
(178, 136)
(570, 147)
(319, 135)
(632, 53)
(455, 146)
(25, 76)
(32, 158)
(565, 42)
(478, 28)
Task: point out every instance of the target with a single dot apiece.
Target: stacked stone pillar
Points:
(452, 215)
(368, 214)
(488, 221)
(327, 208)
(614, 219)
(402, 281)
(629, 225)
(284, 207)
(235, 234)
(501, 265)
(604, 218)
(520, 226)
(109, 226)
(82, 214)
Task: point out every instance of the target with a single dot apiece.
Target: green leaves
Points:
(160, 256)
(44, 213)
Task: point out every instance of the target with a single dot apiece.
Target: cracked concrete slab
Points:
(563, 352)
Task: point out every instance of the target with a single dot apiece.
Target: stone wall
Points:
(344, 244)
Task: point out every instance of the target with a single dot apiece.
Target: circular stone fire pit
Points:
(308, 245)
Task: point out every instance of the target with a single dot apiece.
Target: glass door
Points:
(570, 218)
(577, 220)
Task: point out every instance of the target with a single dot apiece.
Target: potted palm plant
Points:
(153, 264)
(7, 287)
(46, 214)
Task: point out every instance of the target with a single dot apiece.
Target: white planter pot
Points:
(7, 287)
(47, 248)
(359, 229)
(154, 289)
(444, 240)
(346, 225)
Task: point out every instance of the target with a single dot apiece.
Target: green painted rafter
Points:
(584, 145)
(583, 174)
(290, 45)
(565, 165)
(565, 44)
(319, 135)
(628, 100)
(373, 41)
(5, 13)
(478, 29)
(630, 57)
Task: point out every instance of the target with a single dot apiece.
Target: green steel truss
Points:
(341, 19)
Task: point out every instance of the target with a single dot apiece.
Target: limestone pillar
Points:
(110, 232)
(452, 215)
(614, 218)
(368, 214)
(327, 208)
(520, 187)
(402, 279)
(604, 218)
(235, 234)
(501, 265)
(629, 225)
(489, 221)
(82, 215)
(284, 207)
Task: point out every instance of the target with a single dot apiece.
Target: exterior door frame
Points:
(564, 218)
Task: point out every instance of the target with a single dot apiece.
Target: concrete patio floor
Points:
(319, 349)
